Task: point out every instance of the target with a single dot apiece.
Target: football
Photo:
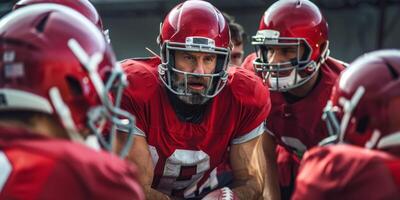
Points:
(221, 194)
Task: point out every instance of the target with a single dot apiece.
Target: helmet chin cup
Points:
(311, 67)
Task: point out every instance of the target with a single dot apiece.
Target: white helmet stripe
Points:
(17, 99)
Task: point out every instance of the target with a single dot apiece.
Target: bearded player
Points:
(190, 109)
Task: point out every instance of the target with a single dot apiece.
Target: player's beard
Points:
(196, 97)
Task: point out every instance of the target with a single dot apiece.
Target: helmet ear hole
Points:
(74, 86)
(42, 24)
(107, 77)
(362, 124)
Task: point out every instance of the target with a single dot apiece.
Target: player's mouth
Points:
(281, 74)
(196, 86)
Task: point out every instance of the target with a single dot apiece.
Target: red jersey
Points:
(348, 172)
(299, 125)
(186, 155)
(35, 167)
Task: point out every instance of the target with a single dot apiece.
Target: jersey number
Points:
(5, 169)
(182, 170)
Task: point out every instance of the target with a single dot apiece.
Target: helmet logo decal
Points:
(268, 33)
(9, 56)
(267, 36)
(203, 42)
(12, 69)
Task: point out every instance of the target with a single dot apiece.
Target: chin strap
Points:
(324, 54)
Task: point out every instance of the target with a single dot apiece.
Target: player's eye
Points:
(209, 58)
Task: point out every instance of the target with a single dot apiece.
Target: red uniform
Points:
(348, 172)
(186, 154)
(36, 167)
(299, 125)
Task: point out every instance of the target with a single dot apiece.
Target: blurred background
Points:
(355, 26)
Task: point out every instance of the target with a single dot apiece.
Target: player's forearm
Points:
(271, 187)
(140, 156)
(248, 167)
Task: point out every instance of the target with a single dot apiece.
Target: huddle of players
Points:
(188, 122)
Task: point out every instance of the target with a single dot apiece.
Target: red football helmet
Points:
(82, 6)
(55, 61)
(195, 26)
(364, 108)
(295, 23)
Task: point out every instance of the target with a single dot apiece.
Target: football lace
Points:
(227, 194)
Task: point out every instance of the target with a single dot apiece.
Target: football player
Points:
(82, 6)
(363, 115)
(238, 37)
(190, 109)
(57, 74)
(292, 49)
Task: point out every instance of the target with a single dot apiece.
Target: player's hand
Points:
(221, 194)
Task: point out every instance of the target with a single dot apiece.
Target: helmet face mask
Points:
(293, 67)
(194, 27)
(363, 108)
(338, 116)
(177, 81)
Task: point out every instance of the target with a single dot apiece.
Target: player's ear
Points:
(231, 45)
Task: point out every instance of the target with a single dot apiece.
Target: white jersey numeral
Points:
(5, 169)
(183, 170)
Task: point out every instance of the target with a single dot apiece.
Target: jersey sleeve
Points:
(129, 104)
(255, 105)
(136, 95)
(342, 175)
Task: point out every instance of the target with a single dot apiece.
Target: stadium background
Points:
(355, 26)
